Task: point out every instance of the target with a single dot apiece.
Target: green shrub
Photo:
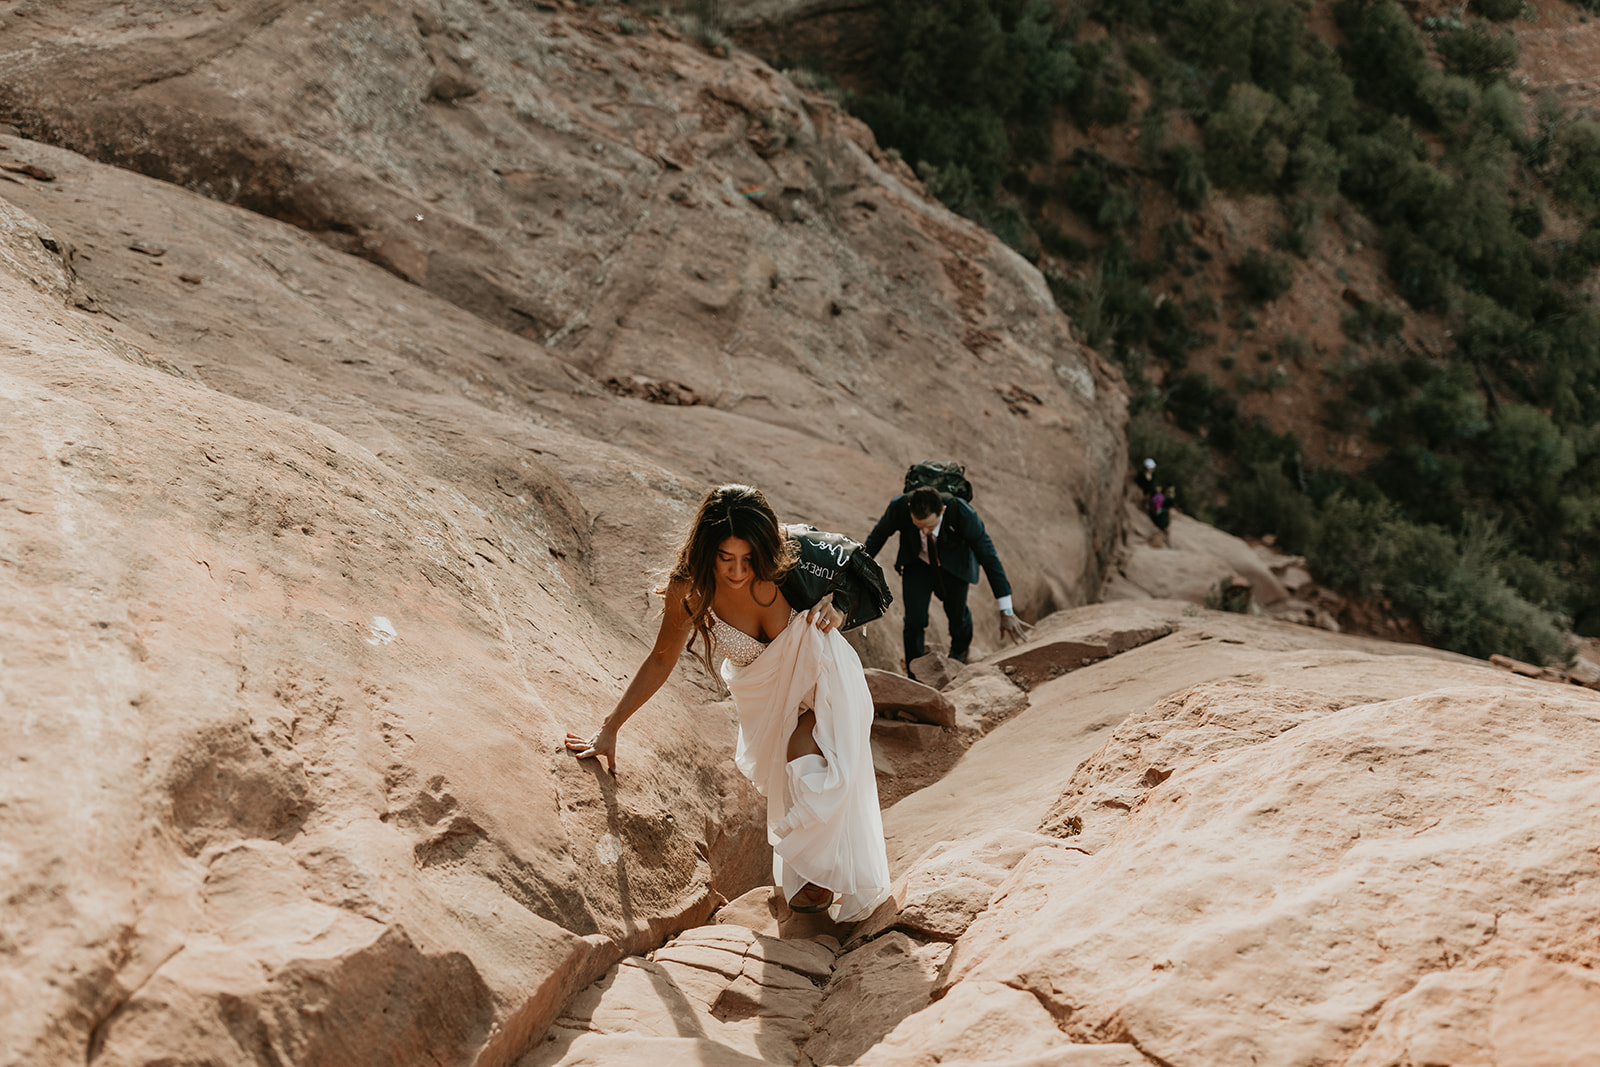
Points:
(1535, 581)
(1113, 304)
(1006, 220)
(1497, 10)
(1314, 166)
(1588, 244)
(1502, 113)
(1262, 276)
(1183, 168)
(807, 78)
(1386, 172)
(1150, 59)
(1294, 348)
(953, 184)
(1199, 406)
(1487, 334)
(973, 139)
(1454, 588)
(1101, 93)
(1430, 407)
(1526, 456)
(1174, 235)
(1117, 211)
(950, 75)
(709, 12)
(1475, 51)
(1470, 607)
(1578, 158)
(1528, 217)
(1247, 140)
(1299, 235)
(1450, 101)
(1419, 271)
(1383, 53)
(1549, 119)
(1261, 500)
(1060, 243)
(1372, 323)
(1268, 380)
(1174, 332)
(1097, 189)
(1038, 47)
(1350, 550)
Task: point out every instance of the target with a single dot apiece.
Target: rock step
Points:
(612, 1050)
(723, 993)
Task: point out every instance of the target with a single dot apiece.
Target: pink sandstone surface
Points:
(355, 391)
(312, 552)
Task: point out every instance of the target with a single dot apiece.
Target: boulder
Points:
(758, 910)
(948, 886)
(1170, 574)
(895, 694)
(935, 669)
(978, 1022)
(871, 991)
(1198, 563)
(1190, 534)
(984, 697)
(1436, 838)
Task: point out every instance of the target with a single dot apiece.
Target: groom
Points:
(942, 543)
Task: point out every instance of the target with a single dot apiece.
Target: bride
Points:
(805, 716)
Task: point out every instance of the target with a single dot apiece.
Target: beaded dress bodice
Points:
(738, 646)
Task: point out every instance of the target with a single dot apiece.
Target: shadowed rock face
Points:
(321, 528)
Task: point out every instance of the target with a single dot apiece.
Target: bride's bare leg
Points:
(802, 742)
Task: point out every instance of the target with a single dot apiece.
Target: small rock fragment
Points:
(37, 173)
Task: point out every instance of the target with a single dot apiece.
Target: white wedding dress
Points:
(822, 811)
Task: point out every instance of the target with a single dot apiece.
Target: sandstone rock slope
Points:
(1299, 848)
(320, 528)
(683, 227)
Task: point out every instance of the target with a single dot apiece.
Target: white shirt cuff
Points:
(1005, 604)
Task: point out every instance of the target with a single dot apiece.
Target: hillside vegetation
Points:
(1102, 139)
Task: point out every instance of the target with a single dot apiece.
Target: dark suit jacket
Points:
(963, 542)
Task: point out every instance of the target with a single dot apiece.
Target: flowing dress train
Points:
(822, 811)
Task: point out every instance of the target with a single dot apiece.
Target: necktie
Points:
(933, 561)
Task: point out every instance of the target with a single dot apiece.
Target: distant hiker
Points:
(805, 714)
(942, 544)
(1145, 479)
(1160, 509)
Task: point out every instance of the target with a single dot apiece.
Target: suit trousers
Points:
(919, 585)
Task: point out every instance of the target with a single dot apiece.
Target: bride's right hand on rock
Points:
(603, 743)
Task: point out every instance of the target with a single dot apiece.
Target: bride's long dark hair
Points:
(727, 511)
